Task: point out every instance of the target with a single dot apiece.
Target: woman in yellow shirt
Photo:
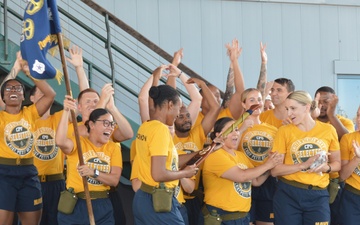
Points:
(228, 176)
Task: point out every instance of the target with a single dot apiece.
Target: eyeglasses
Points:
(17, 88)
(108, 123)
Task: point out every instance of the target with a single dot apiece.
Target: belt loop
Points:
(18, 161)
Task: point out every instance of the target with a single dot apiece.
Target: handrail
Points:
(142, 39)
(122, 52)
(92, 66)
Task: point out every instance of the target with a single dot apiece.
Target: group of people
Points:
(290, 160)
(294, 161)
(36, 144)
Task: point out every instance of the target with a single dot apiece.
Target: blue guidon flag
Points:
(40, 27)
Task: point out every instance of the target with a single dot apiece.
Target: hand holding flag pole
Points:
(42, 31)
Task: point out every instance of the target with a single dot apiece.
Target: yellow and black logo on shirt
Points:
(18, 137)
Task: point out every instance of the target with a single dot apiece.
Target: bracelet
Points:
(180, 74)
(329, 170)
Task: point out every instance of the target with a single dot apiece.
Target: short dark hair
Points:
(4, 86)
(87, 90)
(32, 90)
(163, 93)
(286, 82)
(95, 115)
(325, 89)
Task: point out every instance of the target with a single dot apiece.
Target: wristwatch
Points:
(96, 173)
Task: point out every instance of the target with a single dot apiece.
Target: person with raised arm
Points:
(159, 162)
(234, 109)
(20, 187)
(48, 158)
(102, 168)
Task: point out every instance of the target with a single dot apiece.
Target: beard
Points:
(183, 128)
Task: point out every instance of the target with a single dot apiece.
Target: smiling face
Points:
(87, 104)
(253, 98)
(231, 141)
(296, 111)
(13, 94)
(102, 128)
(183, 121)
(278, 93)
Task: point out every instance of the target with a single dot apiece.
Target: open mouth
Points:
(13, 97)
(107, 134)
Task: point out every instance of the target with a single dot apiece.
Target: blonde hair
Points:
(303, 98)
(246, 93)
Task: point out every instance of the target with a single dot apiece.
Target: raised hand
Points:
(178, 55)
(159, 72)
(233, 51)
(332, 102)
(263, 54)
(76, 58)
(200, 83)
(315, 107)
(173, 70)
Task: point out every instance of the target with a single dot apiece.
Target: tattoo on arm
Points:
(229, 87)
(262, 80)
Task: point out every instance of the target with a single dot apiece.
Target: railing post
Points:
(108, 47)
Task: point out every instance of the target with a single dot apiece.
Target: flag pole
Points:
(74, 122)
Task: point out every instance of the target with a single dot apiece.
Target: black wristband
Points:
(329, 170)
(181, 72)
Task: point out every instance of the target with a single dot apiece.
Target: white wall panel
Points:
(310, 48)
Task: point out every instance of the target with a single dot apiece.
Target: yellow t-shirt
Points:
(257, 141)
(194, 142)
(101, 158)
(270, 118)
(48, 158)
(223, 113)
(17, 136)
(135, 162)
(349, 125)
(347, 153)
(298, 146)
(154, 139)
(223, 193)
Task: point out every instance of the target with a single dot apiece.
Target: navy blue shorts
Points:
(184, 214)
(297, 206)
(335, 206)
(51, 194)
(144, 213)
(349, 208)
(20, 189)
(116, 202)
(102, 208)
(193, 207)
(261, 201)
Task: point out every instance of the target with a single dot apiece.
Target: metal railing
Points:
(132, 62)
